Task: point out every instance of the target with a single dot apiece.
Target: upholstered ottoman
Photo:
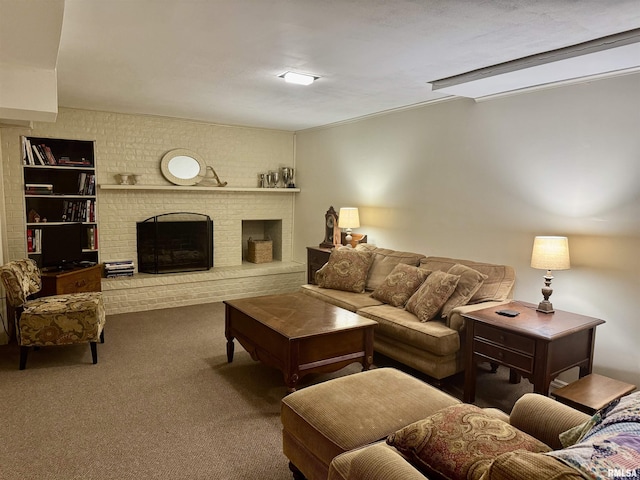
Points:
(324, 420)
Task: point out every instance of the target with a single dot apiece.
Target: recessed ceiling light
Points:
(298, 78)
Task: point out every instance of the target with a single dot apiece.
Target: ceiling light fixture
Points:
(298, 78)
(616, 54)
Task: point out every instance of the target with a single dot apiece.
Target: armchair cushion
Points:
(62, 319)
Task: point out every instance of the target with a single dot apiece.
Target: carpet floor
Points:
(161, 403)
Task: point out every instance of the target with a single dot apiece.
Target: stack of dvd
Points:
(123, 268)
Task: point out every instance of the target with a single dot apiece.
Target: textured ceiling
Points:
(219, 60)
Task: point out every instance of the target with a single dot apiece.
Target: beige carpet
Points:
(162, 403)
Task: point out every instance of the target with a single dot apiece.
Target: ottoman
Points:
(322, 421)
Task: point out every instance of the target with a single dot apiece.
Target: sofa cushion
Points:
(384, 260)
(403, 326)
(432, 295)
(460, 442)
(498, 286)
(348, 300)
(400, 284)
(346, 270)
(470, 282)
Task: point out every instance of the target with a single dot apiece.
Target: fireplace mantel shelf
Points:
(195, 187)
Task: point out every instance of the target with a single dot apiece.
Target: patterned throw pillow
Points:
(346, 270)
(460, 442)
(432, 295)
(400, 284)
(470, 282)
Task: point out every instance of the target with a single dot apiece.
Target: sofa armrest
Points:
(544, 418)
(373, 462)
(455, 320)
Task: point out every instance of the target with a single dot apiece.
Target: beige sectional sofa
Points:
(433, 347)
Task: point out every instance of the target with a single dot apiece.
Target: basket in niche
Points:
(260, 251)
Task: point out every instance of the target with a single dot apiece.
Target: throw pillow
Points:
(460, 442)
(470, 282)
(384, 260)
(400, 284)
(346, 270)
(432, 295)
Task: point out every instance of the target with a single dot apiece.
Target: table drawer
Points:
(504, 356)
(81, 282)
(512, 341)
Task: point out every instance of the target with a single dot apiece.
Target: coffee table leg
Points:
(230, 349)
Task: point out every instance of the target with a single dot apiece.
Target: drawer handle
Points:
(501, 338)
(500, 354)
(81, 283)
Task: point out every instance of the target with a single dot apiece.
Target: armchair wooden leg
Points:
(24, 351)
(94, 351)
(102, 336)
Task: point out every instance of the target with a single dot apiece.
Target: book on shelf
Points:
(64, 160)
(119, 265)
(27, 152)
(128, 273)
(78, 211)
(86, 183)
(92, 238)
(38, 188)
(34, 240)
(119, 268)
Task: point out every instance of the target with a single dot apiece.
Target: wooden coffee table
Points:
(298, 334)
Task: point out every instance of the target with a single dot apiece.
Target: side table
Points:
(592, 393)
(88, 279)
(538, 346)
(316, 258)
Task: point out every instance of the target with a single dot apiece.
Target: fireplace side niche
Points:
(262, 230)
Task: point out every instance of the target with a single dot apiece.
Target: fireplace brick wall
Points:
(136, 143)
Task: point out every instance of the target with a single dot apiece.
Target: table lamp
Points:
(348, 218)
(549, 253)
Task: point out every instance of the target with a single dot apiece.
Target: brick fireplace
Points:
(136, 143)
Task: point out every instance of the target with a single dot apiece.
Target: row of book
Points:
(121, 268)
(34, 240)
(41, 154)
(86, 184)
(78, 211)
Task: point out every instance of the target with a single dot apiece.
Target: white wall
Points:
(480, 180)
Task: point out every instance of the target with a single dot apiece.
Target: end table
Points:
(538, 346)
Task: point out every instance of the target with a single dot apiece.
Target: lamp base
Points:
(545, 306)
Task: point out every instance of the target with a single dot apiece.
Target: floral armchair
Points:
(55, 320)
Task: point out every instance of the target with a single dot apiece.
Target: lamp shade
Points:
(550, 253)
(348, 218)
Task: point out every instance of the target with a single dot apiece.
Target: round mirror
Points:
(183, 167)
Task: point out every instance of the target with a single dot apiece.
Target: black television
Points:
(61, 246)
